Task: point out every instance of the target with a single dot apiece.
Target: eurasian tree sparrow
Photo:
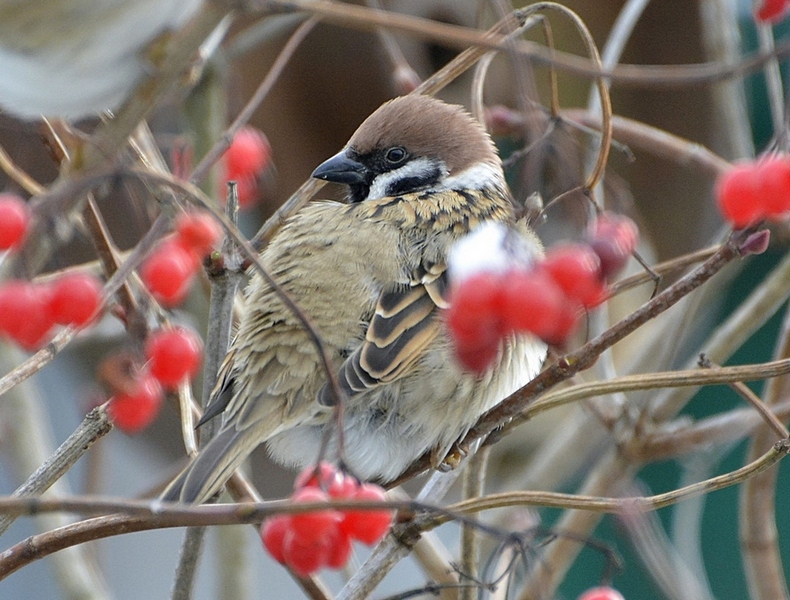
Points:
(371, 276)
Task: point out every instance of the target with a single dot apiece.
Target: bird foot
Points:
(447, 461)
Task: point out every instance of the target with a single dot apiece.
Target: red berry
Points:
(577, 270)
(249, 153)
(174, 355)
(75, 299)
(136, 409)
(24, 313)
(198, 232)
(319, 523)
(247, 157)
(475, 321)
(14, 220)
(565, 324)
(340, 548)
(773, 174)
(247, 189)
(613, 240)
(738, 195)
(478, 357)
(771, 11)
(532, 302)
(273, 533)
(168, 272)
(601, 593)
(343, 487)
(323, 478)
(367, 526)
(306, 555)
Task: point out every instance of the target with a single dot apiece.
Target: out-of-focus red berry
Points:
(134, 410)
(305, 555)
(198, 232)
(246, 159)
(577, 270)
(322, 478)
(340, 548)
(601, 593)
(774, 176)
(343, 487)
(75, 299)
(479, 356)
(249, 153)
(168, 272)
(475, 321)
(273, 533)
(367, 526)
(565, 325)
(174, 355)
(24, 313)
(738, 195)
(318, 523)
(614, 240)
(532, 302)
(771, 11)
(14, 220)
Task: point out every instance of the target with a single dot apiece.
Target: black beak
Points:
(341, 169)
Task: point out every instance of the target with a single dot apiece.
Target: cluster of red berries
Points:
(173, 356)
(30, 311)
(248, 156)
(170, 270)
(545, 299)
(752, 191)
(603, 592)
(772, 11)
(306, 542)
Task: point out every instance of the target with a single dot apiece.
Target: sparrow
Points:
(371, 275)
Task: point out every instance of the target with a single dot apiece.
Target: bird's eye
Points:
(395, 155)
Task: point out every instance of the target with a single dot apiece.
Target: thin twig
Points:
(664, 268)
(656, 141)
(752, 313)
(771, 420)
(191, 549)
(646, 76)
(94, 427)
(473, 487)
(15, 172)
(597, 171)
(759, 538)
(692, 377)
(773, 79)
(283, 58)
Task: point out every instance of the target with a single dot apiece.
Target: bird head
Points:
(415, 143)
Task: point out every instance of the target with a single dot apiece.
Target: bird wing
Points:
(222, 393)
(404, 323)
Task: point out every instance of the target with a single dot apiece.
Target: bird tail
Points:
(212, 467)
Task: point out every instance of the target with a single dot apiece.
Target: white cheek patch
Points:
(418, 168)
(482, 175)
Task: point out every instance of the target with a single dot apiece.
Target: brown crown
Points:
(427, 127)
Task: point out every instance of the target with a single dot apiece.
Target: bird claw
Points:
(448, 461)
